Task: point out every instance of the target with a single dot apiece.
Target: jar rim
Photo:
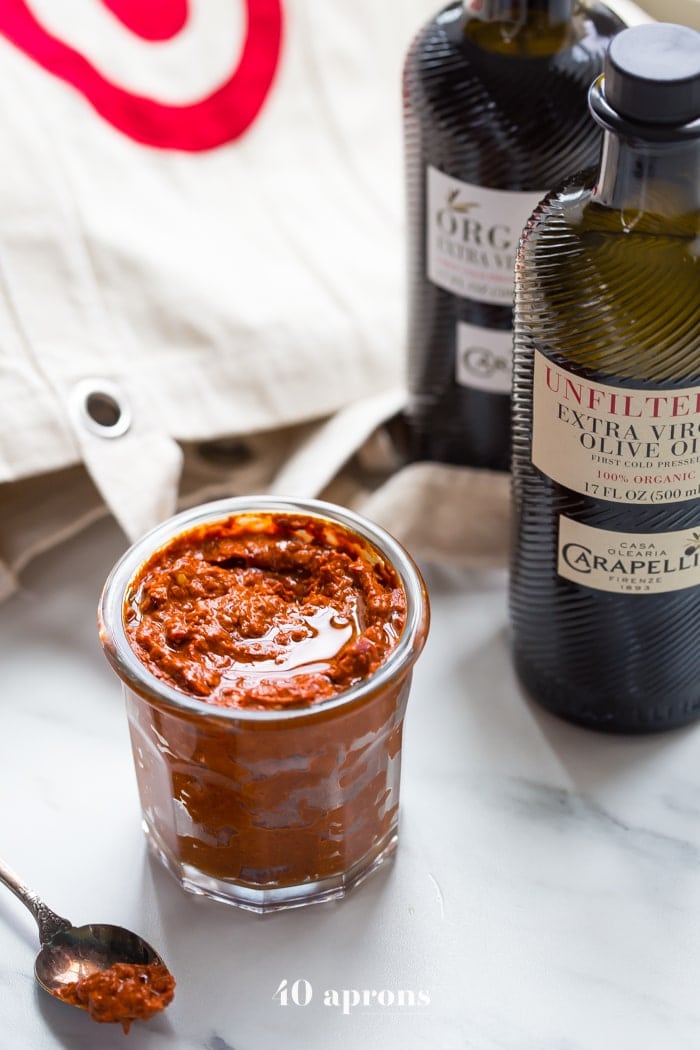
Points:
(136, 675)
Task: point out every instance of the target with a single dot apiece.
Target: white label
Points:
(472, 237)
(484, 358)
(621, 444)
(639, 563)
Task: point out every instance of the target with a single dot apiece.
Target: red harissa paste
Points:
(265, 611)
(123, 993)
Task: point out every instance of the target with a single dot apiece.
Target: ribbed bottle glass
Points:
(495, 114)
(605, 573)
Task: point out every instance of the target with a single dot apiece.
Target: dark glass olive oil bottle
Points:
(495, 115)
(605, 580)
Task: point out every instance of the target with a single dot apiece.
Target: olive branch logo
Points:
(692, 544)
(453, 204)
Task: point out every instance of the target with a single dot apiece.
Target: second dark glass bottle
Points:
(495, 114)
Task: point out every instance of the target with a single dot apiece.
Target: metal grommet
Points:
(101, 407)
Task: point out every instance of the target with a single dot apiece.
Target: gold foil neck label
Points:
(628, 563)
(621, 444)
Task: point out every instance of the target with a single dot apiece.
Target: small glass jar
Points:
(268, 809)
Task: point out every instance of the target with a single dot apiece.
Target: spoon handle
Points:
(48, 921)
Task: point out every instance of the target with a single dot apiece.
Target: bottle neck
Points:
(547, 12)
(650, 183)
(528, 28)
(649, 172)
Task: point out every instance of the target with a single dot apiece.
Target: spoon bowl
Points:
(71, 954)
(78, 951)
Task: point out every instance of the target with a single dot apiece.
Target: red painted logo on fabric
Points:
(220, 117)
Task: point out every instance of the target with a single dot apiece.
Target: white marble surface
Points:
(545, 896)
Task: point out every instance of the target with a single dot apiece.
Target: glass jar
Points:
(268, 809)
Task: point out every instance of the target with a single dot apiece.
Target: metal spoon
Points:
(70, 952)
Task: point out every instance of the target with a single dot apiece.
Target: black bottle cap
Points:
(652, 74)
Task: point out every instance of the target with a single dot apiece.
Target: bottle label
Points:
(472, 237)
(622, 563)
(484, 358)
(621, 444)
